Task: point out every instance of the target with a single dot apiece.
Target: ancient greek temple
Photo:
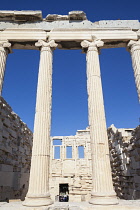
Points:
(28, 30)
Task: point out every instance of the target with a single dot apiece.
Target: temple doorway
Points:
(63, 192)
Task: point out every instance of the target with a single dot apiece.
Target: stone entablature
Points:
(75, 171)
(15, 154)
(24, 28)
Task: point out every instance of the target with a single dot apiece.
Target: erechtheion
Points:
(28, 30)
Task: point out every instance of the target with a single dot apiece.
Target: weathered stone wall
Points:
(75, 171)
(125, 161)
(15, 154)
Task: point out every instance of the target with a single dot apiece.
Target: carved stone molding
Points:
(134, 45)
(87, 34)
(23, 34)
(134, 48)
(5, 46)
(92, 45)
(46, 45)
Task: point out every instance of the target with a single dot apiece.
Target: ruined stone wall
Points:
(75, 171)
(125, 161)
(15, 154)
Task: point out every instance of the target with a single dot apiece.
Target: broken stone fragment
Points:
(54, 17)
(73, 15)
(28, 15)
(77, 15)
(23, 15)
(6, 15)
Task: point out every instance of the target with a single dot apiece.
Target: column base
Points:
(103, 200)
(36, 201)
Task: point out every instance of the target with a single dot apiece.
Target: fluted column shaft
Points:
(134, 47)
(38, 193)
(4, 49)
(103, 192)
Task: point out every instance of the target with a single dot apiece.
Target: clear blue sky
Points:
(69, 110)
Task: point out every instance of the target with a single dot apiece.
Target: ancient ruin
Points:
(28, 30)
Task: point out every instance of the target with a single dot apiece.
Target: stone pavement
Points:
(123, 205)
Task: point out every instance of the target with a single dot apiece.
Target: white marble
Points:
(4, 49)
(87, 34)
(38, 192)
(23, 34)
(102, 192)
(134, 47)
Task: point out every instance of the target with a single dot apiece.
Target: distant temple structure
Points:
(70, 166)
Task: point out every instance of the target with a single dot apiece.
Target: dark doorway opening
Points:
(63, 192)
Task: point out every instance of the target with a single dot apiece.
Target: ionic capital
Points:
(92, 45)
(51, 45)
(5, 46)
(134, 45)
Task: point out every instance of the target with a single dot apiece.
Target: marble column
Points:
(38, 192)
(134, 48)
(4, 50)
(102, 192)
